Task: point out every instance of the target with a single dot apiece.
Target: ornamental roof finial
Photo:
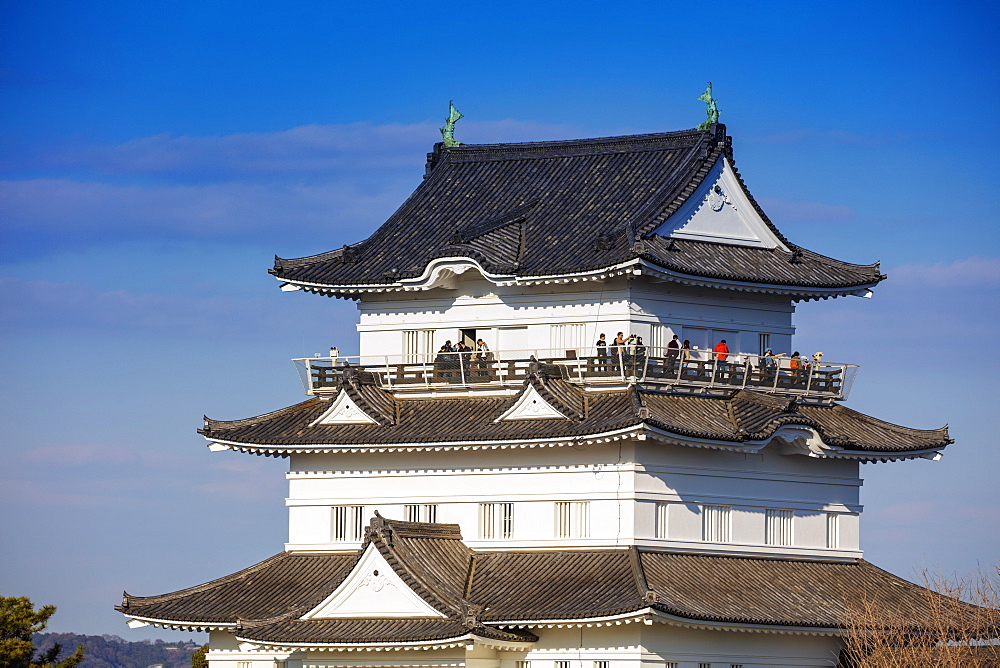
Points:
(448, 131)
(711, 110)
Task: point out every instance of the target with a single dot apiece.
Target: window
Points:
(715, 523)
(662, 511)
(347, 523)
(833, 530)
(426, 512)
(567, 337)
(418, 345)
(243, 664)
(736, 665)
(572, 519)
(496, 520)
(522, 664)
(763, 343)
(704, 665)
(671, 664)
(600, 664)
(659, 337)
(777, 527)
(562, 664)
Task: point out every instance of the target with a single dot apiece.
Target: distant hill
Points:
(110, 651)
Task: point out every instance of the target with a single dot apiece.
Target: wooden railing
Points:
(694, 369)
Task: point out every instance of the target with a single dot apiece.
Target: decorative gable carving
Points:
(372, 589)
(720, 211)
(343, 411)
(531, 406)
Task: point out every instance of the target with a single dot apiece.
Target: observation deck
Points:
(682, 371)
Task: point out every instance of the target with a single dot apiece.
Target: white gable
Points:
(720, 211)
(372, 589)
(530, 406)
(343, 411)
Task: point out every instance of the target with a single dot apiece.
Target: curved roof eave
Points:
(430, 279)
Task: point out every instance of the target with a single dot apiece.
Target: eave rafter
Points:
(639, 432)
(634, 268)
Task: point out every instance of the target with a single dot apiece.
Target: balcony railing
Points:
(696, 369)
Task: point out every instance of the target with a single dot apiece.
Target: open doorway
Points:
(468, 337)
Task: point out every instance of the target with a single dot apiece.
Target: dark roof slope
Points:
(550, 208)
(778, 592)
(738, 417)
(264, 590)
(486, 588)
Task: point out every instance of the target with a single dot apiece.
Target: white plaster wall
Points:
(518, 318)
(690, 647)
(620, 481)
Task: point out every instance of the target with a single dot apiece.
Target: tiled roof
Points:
(553, 208)
(480, 590)
(261, 591)
(741, 416)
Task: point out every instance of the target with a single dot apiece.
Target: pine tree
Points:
(18, 621)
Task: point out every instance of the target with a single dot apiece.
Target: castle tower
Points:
(542, 500)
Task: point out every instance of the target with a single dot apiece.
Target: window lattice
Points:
(572, 519)
(496, 520)
(662, 513)
(777, 527)
(715, 523)
(426, 512)
(833, 530)
(418, 345)
(347, 523)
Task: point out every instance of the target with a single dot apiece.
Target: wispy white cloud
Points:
(970, 272)
(226, 210)
(783, 211)
(317, 151)
(44, 305)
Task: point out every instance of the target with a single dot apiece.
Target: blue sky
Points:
(157, 155)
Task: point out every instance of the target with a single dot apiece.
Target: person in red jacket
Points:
(721, 351)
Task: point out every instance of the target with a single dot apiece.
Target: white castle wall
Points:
(629, 645)
(520, 318)
(622, 495)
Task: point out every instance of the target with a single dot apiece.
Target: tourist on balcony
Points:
(463, 355)
(618, 349)
(638, 357)
(483, 357)
(444, 362)
(602, 354)
(673, 348)
(685, 351)
(720, 354)
(795, 364)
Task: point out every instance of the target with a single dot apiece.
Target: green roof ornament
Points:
(711, 109)
(448, 131)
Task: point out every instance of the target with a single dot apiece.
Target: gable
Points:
(530, 406)
(372, 589)
(720, 211)
(343, 411)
